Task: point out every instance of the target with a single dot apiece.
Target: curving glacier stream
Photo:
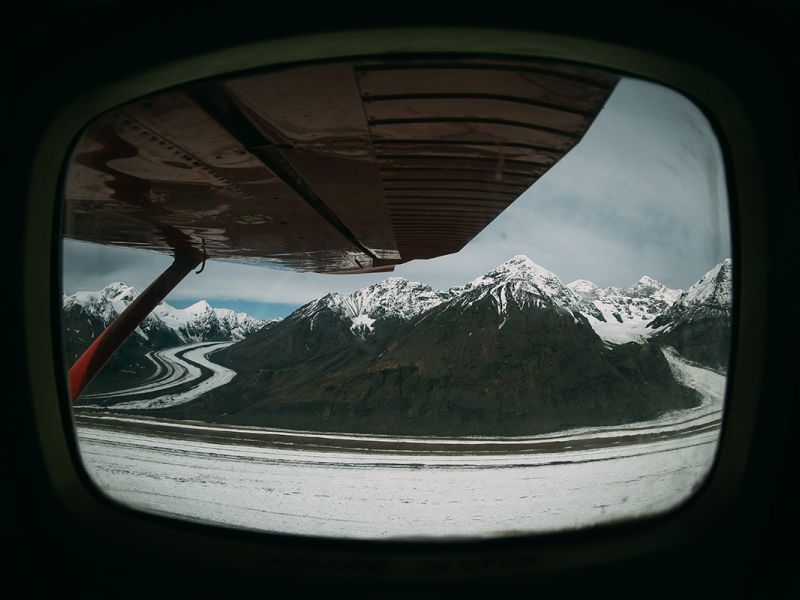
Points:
(177, 367)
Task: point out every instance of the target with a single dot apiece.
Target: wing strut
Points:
(96, 355)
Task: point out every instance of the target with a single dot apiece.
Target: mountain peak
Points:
(525, 283)
(198, 322)
(649, 281)
(394, 280)
(117, 285)
(522, 261)
(520, 258)
(710, 296)
(713, 288)
(390, 284)
(119, 291)
(698, 324)
(199, 307)
(389, 299)
(519, 267)
(583, 286)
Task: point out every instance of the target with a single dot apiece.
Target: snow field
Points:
(367, 494)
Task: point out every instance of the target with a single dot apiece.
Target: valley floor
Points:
(360, 486)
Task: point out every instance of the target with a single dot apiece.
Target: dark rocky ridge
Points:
(698, 325)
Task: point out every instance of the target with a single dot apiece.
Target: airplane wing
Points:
(335, 168)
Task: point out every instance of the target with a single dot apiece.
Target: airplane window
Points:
(399, 298)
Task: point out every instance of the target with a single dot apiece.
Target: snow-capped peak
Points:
(392, 298)
(584, 287)
(113, 292)
(651, 288)
(118, 289)
(710, 297)
(523, 282)
(698, 324)
(714, 288)
(518, 267)
(198, 308)
(105, 303)
(521, 267)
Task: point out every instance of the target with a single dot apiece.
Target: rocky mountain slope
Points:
(698, 324)
(513, 352)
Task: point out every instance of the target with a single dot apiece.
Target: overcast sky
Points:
(642, 194)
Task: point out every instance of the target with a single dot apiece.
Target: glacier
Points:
(306, 489)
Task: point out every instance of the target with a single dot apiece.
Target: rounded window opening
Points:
(399, 298)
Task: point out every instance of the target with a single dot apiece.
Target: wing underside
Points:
(337, 167)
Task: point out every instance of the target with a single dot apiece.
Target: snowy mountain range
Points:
(87, 314)
(626, 311)
(618, 315)
(514, 351)
(643, 301)
(394, 299)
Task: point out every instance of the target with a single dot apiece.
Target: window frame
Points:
(530, 554)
